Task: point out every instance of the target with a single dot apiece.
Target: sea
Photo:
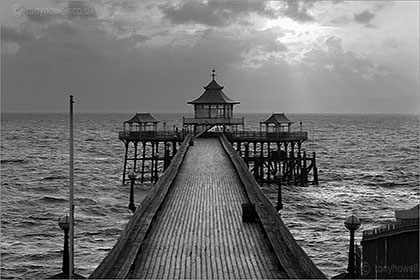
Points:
(368, 166)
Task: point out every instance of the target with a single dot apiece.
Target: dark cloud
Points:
(10, 34)
(213, 13)
(241, 7)
(193, 12)
(298, 10)
(365, 17)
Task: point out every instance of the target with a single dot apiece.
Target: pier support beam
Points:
(126, 143)
(315, 169)
(279, 205)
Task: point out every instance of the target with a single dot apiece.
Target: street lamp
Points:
(132, 176)
(352, 223)
(64, 224)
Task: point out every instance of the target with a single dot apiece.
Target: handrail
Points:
(264, 135)
(392, 228)
(140, 222)
(213, 120)
(126, 134)
(290, 255)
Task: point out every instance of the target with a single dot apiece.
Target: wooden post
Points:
(268, 162)
(304, 173)
(299, 147)
(278, 170)
(156, 162)
(135, 156)
(173, 148)
(286, 162)
(166, 156)
(144, 145)
(247, 153)
(152, 156)
(298, 175)
(290, 167)
(262, 163)
(254, 159)
(315, 169)
(126, 143)
(279, 205)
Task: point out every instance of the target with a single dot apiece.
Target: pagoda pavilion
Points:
(277, 123)
(213, 109)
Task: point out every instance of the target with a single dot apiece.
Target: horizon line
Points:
(162, 112)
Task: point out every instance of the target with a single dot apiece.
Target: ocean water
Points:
(368, 166)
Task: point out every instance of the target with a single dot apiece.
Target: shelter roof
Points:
(142, 118)
(213, 94)
(277, 118)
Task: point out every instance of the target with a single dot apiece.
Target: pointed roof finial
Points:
(213, 74)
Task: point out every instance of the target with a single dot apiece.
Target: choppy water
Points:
(368, 166)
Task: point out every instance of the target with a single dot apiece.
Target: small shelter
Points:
(141, 122)
(277, 122)
(213, 103)
(213, 108)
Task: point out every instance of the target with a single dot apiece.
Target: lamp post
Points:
(352, 223)
(64, 224)
(132, 177)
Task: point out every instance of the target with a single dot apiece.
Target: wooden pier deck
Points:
(199, 233)
(190, 226)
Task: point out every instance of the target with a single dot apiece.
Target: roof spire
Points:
(213, 74)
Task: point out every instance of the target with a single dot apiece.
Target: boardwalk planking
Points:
(198, 232)
(291, 256)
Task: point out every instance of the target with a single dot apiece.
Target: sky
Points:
(155, 56)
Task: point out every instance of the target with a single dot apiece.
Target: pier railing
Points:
(266, 136)
(397, 227)
(213, 121)
(290, 255)
(152, 135)
(120, 259)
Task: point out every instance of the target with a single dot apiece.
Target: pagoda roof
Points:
(142, 118)
(277, 118)
(213, 94)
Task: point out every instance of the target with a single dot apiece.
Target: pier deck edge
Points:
(141, 219)
(290, 255)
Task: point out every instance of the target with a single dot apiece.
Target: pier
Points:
(191, 225)
(206, 217)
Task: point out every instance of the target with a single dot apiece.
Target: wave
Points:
(94, 211)
(11, 161)
(86, 200)
(51, 199)
(50, 178)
